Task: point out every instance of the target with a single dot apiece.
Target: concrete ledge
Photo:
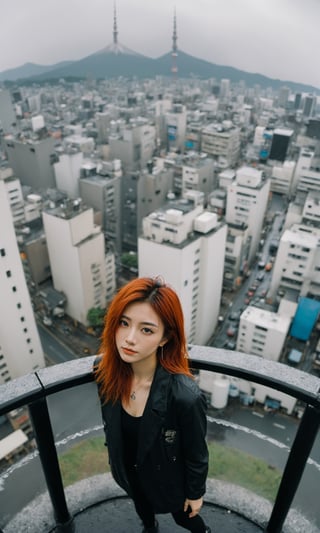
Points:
(38, 517)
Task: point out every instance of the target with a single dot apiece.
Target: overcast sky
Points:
(278, 38)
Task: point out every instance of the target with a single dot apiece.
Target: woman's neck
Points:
(144, 370)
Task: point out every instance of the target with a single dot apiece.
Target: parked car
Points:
(260, 276)
(235, 316)
(230, 345)
(268, 267)
(231, 331)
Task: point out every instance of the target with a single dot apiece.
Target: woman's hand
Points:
(195, 506)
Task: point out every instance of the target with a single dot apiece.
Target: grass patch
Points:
(90, 457)
(240, 468)
(85, 459)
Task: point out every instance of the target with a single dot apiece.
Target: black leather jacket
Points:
(172, 457)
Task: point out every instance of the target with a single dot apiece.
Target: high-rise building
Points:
(222, 141)
(247, 200)
(307, 174)
(297, 265)
(32, 160)
(142, 193)
(185, 244)
(134, 145)
(7, 114)
(20, 347)
(67, 171)
(102, 191)
(176, 122)
(262, 332)
(280, 143)
(77, 257)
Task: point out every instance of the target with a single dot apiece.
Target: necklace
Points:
(133, 394)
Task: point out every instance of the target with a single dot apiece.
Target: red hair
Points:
(113, 375)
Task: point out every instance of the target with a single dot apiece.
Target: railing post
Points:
(39, 414)
(294, 468)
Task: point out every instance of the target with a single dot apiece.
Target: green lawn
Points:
(89, 457)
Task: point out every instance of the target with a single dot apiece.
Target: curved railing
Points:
(32, 390)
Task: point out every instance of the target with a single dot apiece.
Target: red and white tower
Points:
(174, 53)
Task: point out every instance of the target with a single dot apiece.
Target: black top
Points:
(130, 431)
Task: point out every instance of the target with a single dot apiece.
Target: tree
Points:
(95, 316)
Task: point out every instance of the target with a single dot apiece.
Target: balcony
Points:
(41, 503)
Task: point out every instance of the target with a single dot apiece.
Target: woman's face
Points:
(140, 333)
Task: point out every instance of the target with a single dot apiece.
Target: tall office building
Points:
(20, 347)
(142, 193)
(247, 200)
(176, 122)
(32, 160)
(280, 143)
(185, 244)
(222, 141)
(102, 191)
(7, 114)
(77, 257)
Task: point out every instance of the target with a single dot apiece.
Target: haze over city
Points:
(277, 39)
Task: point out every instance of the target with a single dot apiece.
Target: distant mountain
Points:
(117, 60)
(28, 70)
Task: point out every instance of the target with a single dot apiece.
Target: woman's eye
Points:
(123, 322)
(147, 330)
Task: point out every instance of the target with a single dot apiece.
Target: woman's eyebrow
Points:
(145, 323)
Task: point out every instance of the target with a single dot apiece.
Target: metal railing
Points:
(32, 390)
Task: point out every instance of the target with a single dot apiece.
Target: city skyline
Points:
(264, 37)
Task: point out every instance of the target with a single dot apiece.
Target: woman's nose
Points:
(130, 338)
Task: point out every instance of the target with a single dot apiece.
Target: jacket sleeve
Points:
(193, 428)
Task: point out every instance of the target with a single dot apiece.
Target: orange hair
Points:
(113, 375)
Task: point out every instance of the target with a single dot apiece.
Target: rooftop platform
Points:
(97, 505)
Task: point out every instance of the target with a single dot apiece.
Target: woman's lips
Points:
(128, 351)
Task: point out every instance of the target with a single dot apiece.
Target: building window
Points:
(14, 289)
(8, 273)
(22, 319)
(19, 305)
(2, 252)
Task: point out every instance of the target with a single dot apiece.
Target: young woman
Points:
(153, 412)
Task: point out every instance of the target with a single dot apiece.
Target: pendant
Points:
(133, 395)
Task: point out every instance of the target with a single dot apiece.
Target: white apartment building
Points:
(311, 209)
(282, 177)
(297, 265)
(247, 201)
(67, 171)
(262, 332)
(20, 346)
(222, 141)
(307, 173)
(77, 257)
(185, 244)
(14, 193)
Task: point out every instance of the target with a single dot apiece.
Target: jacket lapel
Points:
(154, 413)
